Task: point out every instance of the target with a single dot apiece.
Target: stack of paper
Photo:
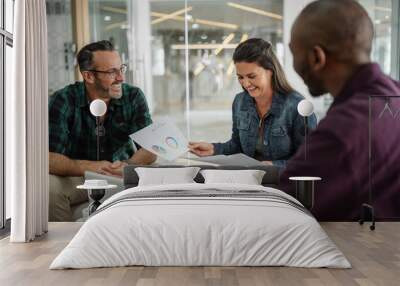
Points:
(233, 160)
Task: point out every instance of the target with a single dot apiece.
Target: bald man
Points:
(331, 45)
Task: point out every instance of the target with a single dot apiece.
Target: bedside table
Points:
(96, 190)
(305, 190)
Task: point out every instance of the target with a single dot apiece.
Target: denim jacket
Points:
(283, 129)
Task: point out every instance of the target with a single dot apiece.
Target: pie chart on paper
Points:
(163, 138)
(158, 149)
(171, 142)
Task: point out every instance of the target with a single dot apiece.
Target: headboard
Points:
(270, 179)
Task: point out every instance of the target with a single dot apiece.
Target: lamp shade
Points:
(305, 107)
(98, 107)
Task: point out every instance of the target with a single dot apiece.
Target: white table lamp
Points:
(305, 109)
(96, 190)
(98, 108)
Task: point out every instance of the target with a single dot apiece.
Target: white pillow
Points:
(165, 176)
(248, 177)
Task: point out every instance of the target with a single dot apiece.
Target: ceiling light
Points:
(244, 37)
(195, 26)
(225, 42)
(199, 21)
(200, 67)
(115, 25)
(255, 10)
(107, 18)
(203, 46)
(172, 15)
(113, 9)
(217, 24)
(231, 66)
(176, 18)
(189, 17)
(384, 9)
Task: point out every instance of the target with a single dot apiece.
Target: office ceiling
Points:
(203, 11)
(218, 15)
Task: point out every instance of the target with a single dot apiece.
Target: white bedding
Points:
(200, 231)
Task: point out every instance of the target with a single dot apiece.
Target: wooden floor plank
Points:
(374, 255)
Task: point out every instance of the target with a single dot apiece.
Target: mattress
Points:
(201, 225)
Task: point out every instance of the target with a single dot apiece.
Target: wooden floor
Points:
(375, 257)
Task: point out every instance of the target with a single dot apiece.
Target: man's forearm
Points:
(61, 165)
(142, 157)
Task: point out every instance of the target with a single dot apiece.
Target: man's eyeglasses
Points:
(112, 73)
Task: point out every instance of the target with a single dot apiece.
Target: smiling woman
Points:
(266, 124)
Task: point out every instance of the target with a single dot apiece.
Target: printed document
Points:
(239, 159)
(162, 138)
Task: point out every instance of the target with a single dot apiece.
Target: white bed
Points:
(265, 229)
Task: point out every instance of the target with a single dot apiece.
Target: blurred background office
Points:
(179, 53)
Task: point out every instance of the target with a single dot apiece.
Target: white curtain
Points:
(27, 124)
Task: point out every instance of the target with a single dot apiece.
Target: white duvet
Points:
(200, 231)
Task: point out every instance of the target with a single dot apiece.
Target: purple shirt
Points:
(338, 151)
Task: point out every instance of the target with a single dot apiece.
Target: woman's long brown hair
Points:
(258, 51)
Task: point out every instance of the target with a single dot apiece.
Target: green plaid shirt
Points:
(72, 126)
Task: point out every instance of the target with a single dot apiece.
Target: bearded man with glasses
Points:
(72, 135)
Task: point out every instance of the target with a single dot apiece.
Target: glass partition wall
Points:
(383, 14)
(180, 52)
(215, 28)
